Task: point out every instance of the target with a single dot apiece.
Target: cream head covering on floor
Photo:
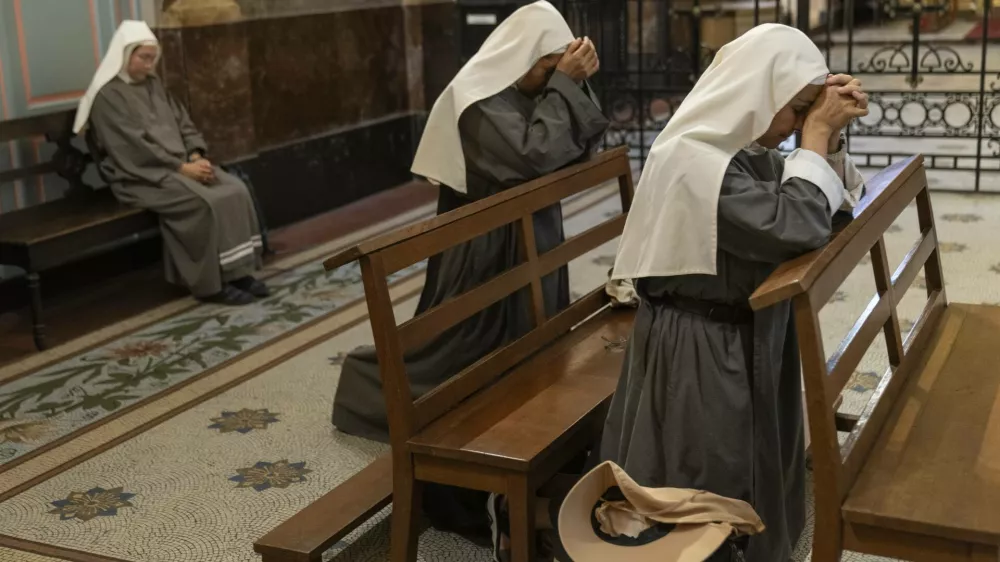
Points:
(130, 35)
(672, 226)
(607, 516)
(532, 32)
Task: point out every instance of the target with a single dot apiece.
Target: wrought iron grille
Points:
(937, 93)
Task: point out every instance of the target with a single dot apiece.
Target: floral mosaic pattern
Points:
(22, 431)
(86, 388)
(863, 381)
(264, 475)
(244, 421)
(952, 247)
(96, 502)
(961, 217)
(604, 261)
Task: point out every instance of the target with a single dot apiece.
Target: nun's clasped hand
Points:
(848, 85)
(580, 61)
(833, 110)
(200, 171)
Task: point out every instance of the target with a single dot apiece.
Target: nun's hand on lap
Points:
(198, 171)
(209, 171)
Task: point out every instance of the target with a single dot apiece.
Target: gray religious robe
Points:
(210, 233)
(714, 406)
(507, 139)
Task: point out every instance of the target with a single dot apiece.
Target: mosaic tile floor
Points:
(197, 473)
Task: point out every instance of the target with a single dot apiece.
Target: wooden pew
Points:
(918, 477)
(85, 223)
(507, 423)
(311, 532)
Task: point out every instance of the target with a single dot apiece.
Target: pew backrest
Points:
(812, 279)
(387, 254)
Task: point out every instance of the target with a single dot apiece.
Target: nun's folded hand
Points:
(833, 111)
(849, 86)
(197, 172)
(580, 60)
(593, 62)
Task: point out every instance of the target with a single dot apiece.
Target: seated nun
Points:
(519, 109)
(710, 391)
(149, 151)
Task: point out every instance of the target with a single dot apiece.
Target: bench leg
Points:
(521, 505)
(37, 325)
(406, 498)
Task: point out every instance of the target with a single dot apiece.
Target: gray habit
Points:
(210, 233)
(507, 139)
(715, 406)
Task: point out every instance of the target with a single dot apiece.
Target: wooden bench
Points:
(312, 531)
(82, 224)
(86, 222)
(918, 476)
(510, 421)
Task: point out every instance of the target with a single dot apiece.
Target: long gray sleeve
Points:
(193, 140)
(124, 138)
(561, 128)
(768, 220)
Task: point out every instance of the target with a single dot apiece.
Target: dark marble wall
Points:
(440, 47)
(315, 73)
(298, 181)
(321, 109)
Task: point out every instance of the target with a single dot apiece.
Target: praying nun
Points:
(519, 109)
(149, 151)
(710, 392)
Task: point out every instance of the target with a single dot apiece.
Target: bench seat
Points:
(539, 404)
(305, 536)
(49, 235)
(935, 467)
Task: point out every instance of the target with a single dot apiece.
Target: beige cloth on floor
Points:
(704, 521)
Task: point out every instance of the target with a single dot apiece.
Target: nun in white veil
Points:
(149, 151)
(519, 109)
(710, 397)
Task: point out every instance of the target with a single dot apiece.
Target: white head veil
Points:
(530, 33)
(130, 35)
(673, 223)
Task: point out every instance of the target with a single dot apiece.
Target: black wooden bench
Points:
(85, 223)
